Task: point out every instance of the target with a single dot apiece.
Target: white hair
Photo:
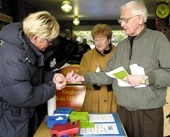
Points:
(137, 8)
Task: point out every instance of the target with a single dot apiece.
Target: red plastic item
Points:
(65, 130)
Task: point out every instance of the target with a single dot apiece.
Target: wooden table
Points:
(42, 131)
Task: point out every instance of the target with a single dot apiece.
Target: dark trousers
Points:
(142, 123)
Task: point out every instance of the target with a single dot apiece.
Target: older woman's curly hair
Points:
(103, 30)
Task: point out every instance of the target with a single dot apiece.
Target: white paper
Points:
(59, 118)
(101, 128)
(101, 118)
(51, 106)
(121, 83)
(135, 70)
(98, 69)
(118, 73)
(64, 66)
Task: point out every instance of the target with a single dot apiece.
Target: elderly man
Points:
(141, 102)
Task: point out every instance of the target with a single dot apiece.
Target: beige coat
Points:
(97, 101)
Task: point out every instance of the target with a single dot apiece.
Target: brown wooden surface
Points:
(42, 131)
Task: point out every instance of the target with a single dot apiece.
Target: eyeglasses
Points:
(125, 20)
(49, 42)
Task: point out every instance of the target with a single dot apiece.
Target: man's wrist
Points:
(145, 80)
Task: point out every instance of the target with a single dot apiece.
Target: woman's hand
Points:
(60, 81)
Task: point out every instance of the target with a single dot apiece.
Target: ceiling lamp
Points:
(66, 6)
(76, 21)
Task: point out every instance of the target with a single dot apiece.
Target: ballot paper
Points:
(120, 73)
(105, 125)
(137, 70)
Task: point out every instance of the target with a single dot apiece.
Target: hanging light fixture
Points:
(76, 21)
(66, 6)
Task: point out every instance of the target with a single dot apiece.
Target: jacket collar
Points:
(32, 54)
(105, 51)
(141, 33)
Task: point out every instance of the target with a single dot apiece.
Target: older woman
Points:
(98, 98)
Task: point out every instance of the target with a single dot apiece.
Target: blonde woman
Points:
(21, 73)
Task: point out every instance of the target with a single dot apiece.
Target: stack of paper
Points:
(120, 73)
(82, 116)
(104, 125)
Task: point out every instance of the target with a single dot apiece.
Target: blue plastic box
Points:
(52, 120)
(63, 111)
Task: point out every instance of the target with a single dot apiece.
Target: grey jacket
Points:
(151, 51)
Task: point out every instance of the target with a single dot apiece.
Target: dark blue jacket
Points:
(21, 87)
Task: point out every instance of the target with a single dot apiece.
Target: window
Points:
(117, 36)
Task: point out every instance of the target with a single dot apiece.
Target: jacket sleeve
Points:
(18, 87)
(84, 69)
(160, 77)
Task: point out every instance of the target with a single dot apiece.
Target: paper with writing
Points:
(121, 73)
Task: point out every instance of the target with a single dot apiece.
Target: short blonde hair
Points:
(137, 8)
(41, 24)
(102, 29)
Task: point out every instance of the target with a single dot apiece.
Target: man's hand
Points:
(72, 77)
(134, 80)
